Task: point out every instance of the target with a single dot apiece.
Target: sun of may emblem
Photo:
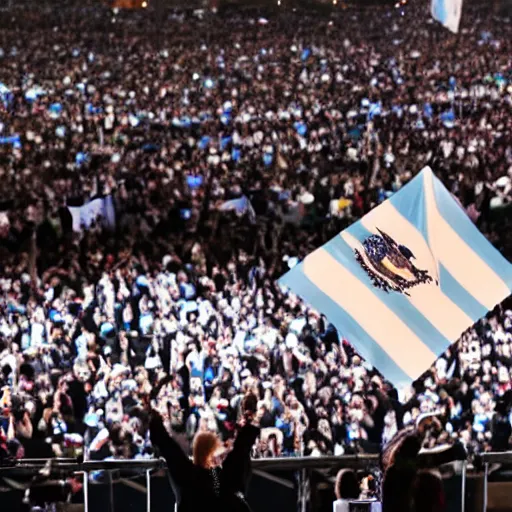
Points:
(389, 264)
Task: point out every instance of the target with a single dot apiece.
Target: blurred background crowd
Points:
(159, 173)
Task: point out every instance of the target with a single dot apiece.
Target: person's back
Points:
(500, 428)
(201, 491)
(196, 488)
(428, 493)
(397, 489)
(200, 485)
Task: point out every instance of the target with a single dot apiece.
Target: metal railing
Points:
(300, 464)
(26, 466)
(492, 458)
(59, 466)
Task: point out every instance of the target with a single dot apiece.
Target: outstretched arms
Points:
(178, 464)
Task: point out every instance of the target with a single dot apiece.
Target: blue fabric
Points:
(236, 154)
(225, 142)
(301, 128)
(374, 110)
(439, 7)
(91, 109)
(465, 228)
(81, 158)
(185, 122)
(142, 281)
(188, 290)
(6, 95)
(33, 93)
(428, 111)
(194, 181)
(55, 108)
(268, 158)
(13, 140)
(305, 54)
(204, 142)
(145, 322)
(398, 303)
(106, 328)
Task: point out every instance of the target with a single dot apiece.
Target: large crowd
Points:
(221, 149)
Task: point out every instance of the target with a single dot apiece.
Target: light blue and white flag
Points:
(100, 209)
(34, 92)
(240, 206)
(5, 95)
(404, 282)
(448, 13)
(13, 140)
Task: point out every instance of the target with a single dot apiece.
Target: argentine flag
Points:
(404, 282)
(448, 13)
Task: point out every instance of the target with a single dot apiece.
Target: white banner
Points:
(101, 209)
(447, 12)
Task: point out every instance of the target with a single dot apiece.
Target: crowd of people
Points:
(161, 170)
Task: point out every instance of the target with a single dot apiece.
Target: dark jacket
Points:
(236, 470)
(404, 451)
(196, 488)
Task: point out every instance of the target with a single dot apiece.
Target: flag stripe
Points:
(462, 224)
(458, 294)
(460, 260)
(447, 12)
(347, 327)
(410, 203)
(376, 318)
(342, 249)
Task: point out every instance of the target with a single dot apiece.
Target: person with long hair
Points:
(201, 483)
(346, 489)
(405, 448)
(402, 463)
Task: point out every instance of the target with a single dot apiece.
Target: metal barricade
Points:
(302, 465)
(492, 458)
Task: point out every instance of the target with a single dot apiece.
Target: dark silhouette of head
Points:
(347, 485)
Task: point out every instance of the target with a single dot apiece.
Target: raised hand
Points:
(249, 407)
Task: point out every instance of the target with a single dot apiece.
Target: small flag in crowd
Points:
(448, 13)
(100, 209)
(240, 206)
(13, 140)
(5, 95)
(404, 282)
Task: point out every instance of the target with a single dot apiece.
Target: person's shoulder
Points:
(251, 428)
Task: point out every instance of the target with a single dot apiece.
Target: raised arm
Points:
(244, 441)
(237, 466)
(179, 465)
(248, 434)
